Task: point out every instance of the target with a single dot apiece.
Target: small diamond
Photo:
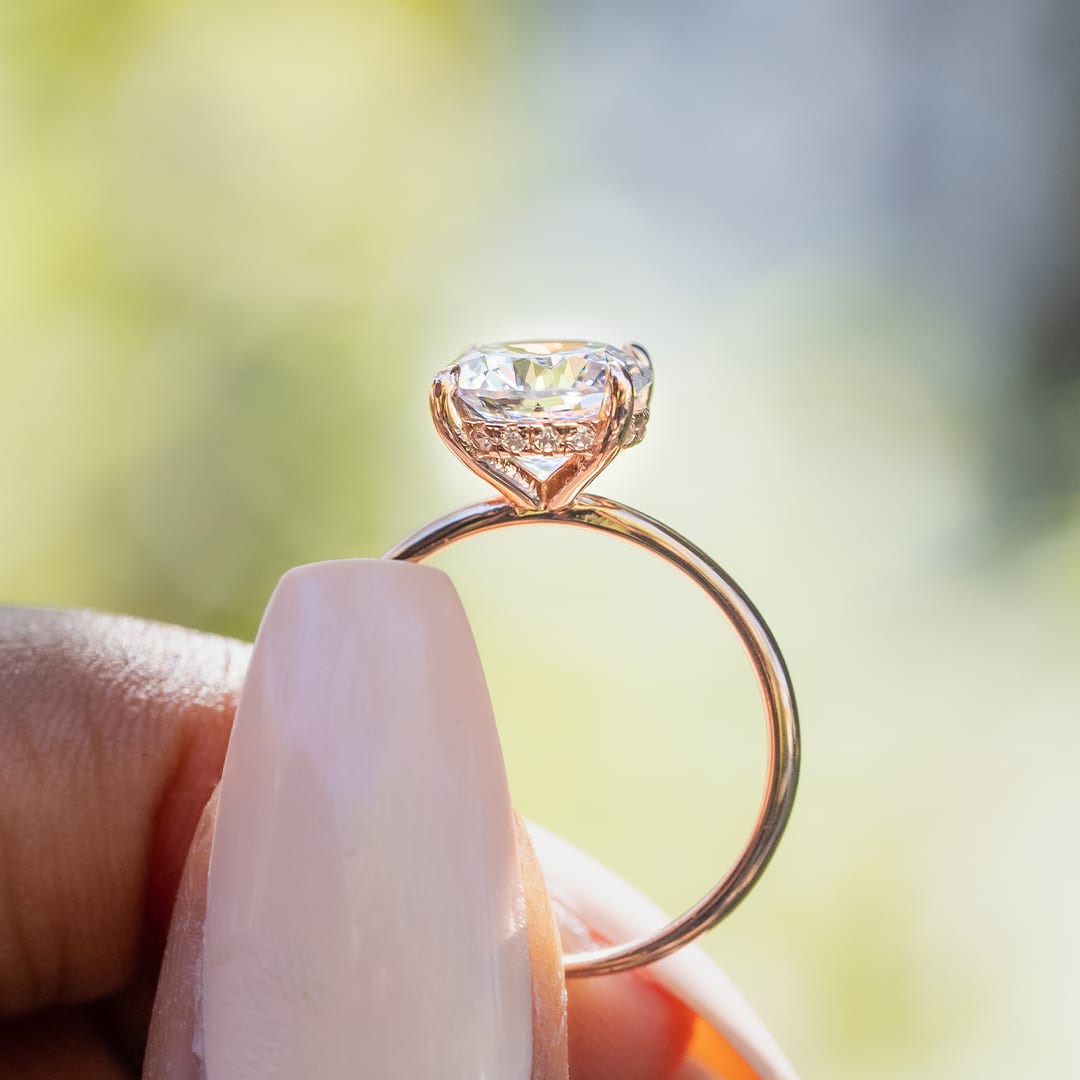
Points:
(483, 438)
(581, 438)
(514, 440)
(546, 441)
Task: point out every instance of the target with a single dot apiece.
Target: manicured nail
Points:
(728, 1040)
(365, 907)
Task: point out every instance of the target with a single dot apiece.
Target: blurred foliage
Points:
(236, 240)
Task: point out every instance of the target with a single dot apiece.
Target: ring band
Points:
(782, 768)
(605, 515)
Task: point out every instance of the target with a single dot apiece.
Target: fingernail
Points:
(365, 908)
(728, 1040)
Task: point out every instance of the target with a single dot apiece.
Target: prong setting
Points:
(540, 420)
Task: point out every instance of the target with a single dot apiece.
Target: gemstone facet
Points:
(537, 383)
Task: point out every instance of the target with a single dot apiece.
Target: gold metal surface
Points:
(782, 728)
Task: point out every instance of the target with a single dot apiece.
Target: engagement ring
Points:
(539, 420)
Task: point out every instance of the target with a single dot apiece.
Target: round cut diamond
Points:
(482, 438)
(581, 438)
(546, 441)
(553, 380)
(514, 440)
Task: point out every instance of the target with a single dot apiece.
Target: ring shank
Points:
(782, 767)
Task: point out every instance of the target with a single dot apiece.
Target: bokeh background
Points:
(236, 239)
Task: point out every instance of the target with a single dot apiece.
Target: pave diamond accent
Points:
(515, 440)
(546, 440)
(541, 446)
(538, 401)
(580, 438)
(483, 438)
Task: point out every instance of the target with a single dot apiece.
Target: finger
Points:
(365, 904)
(61, 1042)
(112, 734)
(621, 1025)
(678, 1019)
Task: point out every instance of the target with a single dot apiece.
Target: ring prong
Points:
(615, 425)
(450, 428)
(617, 411)
(443, 388)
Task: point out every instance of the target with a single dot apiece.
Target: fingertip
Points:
(621, 1025)
(683, 1010)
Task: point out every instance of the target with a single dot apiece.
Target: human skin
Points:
(113, 733)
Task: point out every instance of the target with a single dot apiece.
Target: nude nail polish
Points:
(365, 908)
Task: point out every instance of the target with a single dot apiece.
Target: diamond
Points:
(515, 440)
(554, 380)
(483, 438)
(546, 440)
(526, 382)
(581, 438)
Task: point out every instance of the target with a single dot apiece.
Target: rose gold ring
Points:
(539, 420)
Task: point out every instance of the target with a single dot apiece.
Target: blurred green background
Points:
(236, 240)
